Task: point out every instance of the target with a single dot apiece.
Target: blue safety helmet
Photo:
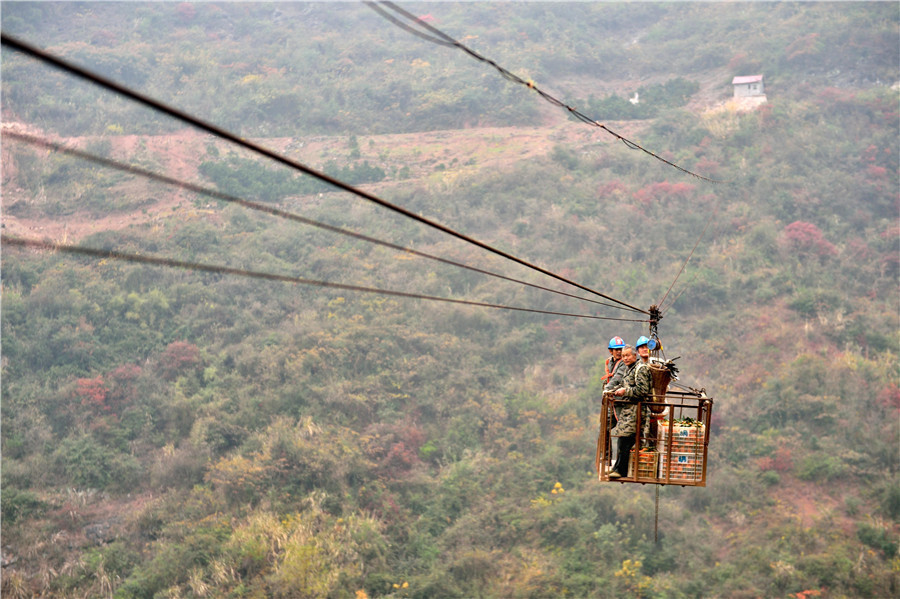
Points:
(616, 343)
(641, 341)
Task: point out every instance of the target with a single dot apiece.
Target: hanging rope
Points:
(702, 233)
(29, 50)
(715, 234)
(439, 37)
(656, 518)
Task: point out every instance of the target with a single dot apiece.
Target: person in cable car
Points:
(637, 387)
(615, 367)
(615, 370)
(643, 349)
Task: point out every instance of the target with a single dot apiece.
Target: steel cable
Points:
(442, 38)
(198, 266)
(36, 141)
(57, 62)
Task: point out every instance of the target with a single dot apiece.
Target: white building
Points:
(750, 85)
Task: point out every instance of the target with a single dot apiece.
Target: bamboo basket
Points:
(660, 377)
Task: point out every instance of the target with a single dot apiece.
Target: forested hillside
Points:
(174, 433)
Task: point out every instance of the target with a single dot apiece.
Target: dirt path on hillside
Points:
(177, 155)
(430, 157)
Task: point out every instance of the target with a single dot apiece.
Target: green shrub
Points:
(85, 463)
(17, 504)
(250, 180)
(770, 478)
(877, 538)
(354, 174)
(889, 498)
(820, 468)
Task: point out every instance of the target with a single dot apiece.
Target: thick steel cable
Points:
(29, 50)
(114, 164)
(198, 266)
(446, 40)
(374, 6)
(443, 39)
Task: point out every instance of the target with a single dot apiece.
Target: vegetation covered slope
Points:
(169, 433)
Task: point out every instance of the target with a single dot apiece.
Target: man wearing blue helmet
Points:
(615, 367)
(643, 348)
(615, 372)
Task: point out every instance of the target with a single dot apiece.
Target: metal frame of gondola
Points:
(693, 404)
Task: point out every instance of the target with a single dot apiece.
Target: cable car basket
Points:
(660, 377)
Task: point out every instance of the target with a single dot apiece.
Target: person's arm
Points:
(643, 385)
(626, 383)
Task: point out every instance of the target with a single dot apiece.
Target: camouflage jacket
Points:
(617, 377)
(638, 387)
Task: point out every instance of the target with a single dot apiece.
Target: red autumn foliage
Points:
(178, 357)
(662, 191)
(186, 11)
(782, 461)
(400, 457)
(765, 116)
(806, 238)
(610, 188)
(891, 234)
(832, 96)
(808, 45)
(716, 422)
(567, 272)
(737, 61)
(706, 167)
(876, 172)
(889, 397)
(121, 384)
(395, 447)
(125, 374)
(858, 249)
(870, 154)
(553, 329)
(92, 393)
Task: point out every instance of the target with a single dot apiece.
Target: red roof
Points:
(747, 79)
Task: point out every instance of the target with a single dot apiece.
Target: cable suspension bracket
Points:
(655, 317)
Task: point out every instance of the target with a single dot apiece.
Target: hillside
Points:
(459, 152)
(174, 433)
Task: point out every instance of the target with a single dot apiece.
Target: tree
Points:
(178, 357)
(92, 393)
(806, 238)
